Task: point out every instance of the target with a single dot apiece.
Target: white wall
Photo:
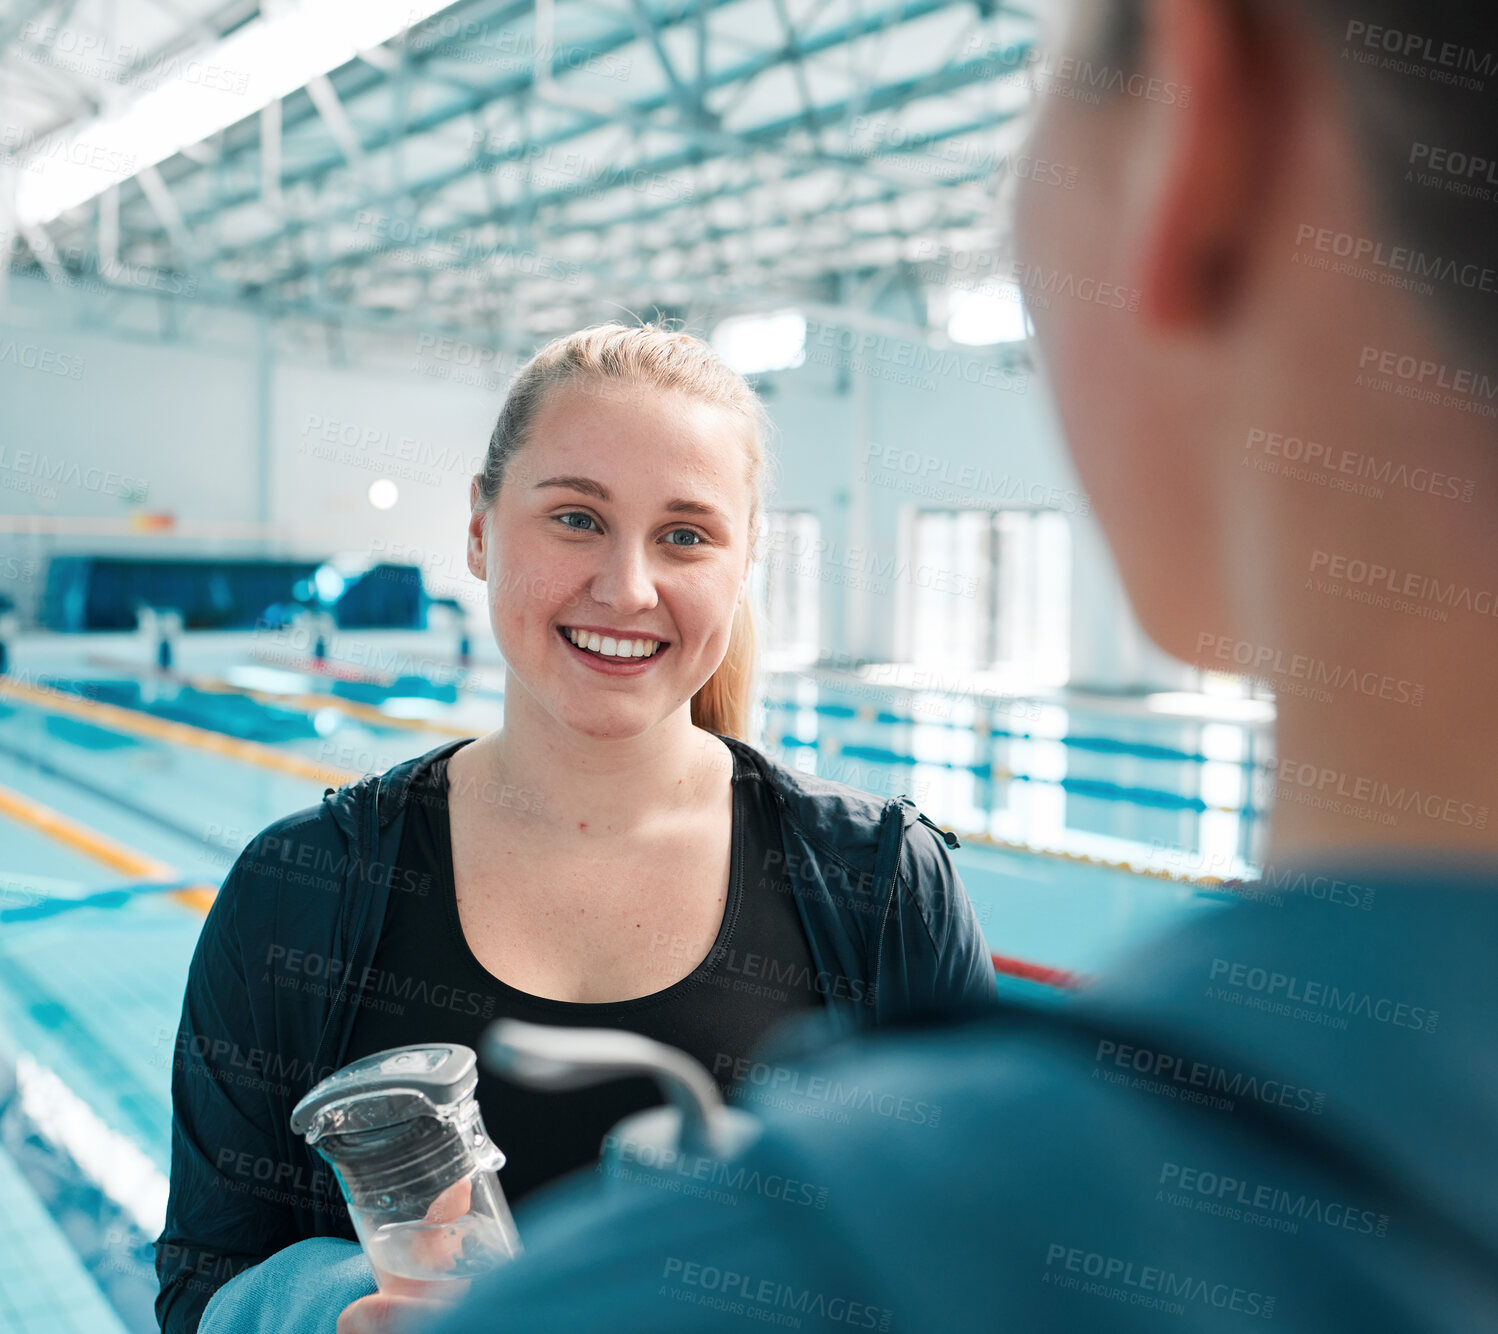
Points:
(227, 420)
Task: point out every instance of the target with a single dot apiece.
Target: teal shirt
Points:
(1280, 1116)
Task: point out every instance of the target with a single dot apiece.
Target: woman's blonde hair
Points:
(653, 356)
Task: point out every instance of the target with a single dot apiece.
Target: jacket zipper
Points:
(947, 836)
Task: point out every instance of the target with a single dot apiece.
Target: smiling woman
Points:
(615, 855)
(686, 437)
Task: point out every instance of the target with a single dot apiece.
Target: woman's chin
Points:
(607, 720)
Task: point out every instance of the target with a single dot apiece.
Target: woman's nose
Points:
(624, 578)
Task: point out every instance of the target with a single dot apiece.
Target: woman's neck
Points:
(579, 787)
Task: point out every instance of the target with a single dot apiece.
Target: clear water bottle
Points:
(402, 1131)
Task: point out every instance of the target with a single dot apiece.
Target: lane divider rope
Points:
(101, 848)
(182, 734)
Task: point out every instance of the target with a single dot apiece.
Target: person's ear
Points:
(1213, 149)
(474, 546)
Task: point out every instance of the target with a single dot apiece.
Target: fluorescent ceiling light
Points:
(986, 315)
(1180, 704)
(207, 91)
(752, 344)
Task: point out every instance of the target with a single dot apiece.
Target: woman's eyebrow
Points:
(591, 488)
(584, 484)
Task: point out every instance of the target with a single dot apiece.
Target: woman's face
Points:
(626, 510)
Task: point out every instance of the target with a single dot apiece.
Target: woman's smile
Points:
(612, 657)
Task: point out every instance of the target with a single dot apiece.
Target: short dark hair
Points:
(1421, 77)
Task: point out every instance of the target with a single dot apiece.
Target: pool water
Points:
(126, 795)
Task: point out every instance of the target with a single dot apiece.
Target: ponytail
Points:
(726, 700)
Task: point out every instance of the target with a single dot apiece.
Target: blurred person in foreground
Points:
(1282, 1111)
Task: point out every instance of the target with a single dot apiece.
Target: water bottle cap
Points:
(388, 1087)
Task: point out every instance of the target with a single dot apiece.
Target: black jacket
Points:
(285, 958)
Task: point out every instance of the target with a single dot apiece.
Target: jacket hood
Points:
(387, 791)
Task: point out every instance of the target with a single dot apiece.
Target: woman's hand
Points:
(439, 1250)
(388, 1313)
(404, 1304)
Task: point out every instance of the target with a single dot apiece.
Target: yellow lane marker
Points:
(215, 685)
(91, 843)
(365, 713)
(181, 734)
(267, 757)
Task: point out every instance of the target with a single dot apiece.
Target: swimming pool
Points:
(125, 795)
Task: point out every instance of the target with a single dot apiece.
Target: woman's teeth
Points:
(609, 647)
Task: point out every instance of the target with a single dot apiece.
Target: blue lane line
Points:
(141, 812)
(1099, 744)
(104, 898)
(1078, 787)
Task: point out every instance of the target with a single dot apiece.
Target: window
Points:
(787, 583)
(990, 590)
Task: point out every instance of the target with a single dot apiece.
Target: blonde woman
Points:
(615, 854)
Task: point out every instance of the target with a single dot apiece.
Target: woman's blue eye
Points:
(697, 538)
